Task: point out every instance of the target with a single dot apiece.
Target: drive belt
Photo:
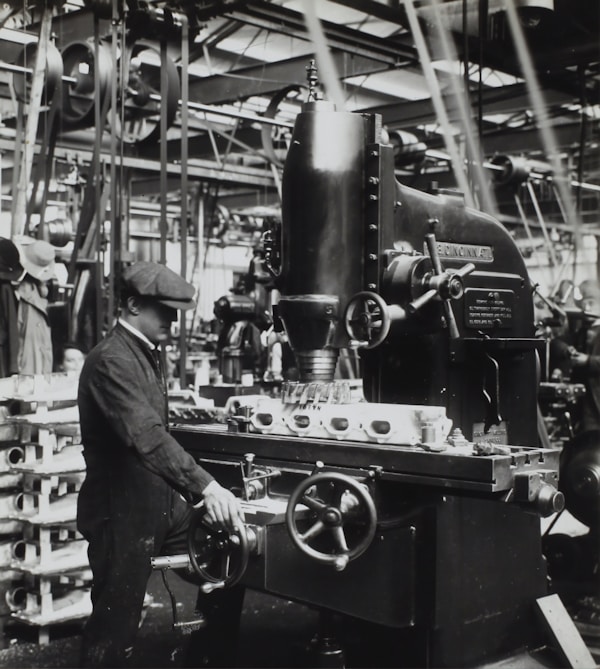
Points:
(44, 164)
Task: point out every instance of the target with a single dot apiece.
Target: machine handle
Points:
(464, 270)
(455, 293)
(180, 561)
(430, 241)
(421, 301)
(446, 284)
(367, 319)
(334, 500)
(207, 588)
(218, 556)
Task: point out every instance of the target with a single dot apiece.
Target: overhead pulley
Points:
(518, 169)
(141, 113)
(79, 59)
(53, 73)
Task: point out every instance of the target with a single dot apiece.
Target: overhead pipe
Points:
(197, 106)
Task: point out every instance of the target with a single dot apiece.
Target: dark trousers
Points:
(120, 563)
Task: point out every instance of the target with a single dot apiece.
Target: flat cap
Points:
(151, 279)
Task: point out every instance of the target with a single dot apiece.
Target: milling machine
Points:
(418, 510)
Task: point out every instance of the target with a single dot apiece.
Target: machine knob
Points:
(549, 500)
(207, 588)
(341, 562)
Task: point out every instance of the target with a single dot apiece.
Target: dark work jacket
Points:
(9, 332)
(133, 465)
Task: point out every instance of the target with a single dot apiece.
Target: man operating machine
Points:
(417, 511)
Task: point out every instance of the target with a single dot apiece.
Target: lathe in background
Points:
(412, 518)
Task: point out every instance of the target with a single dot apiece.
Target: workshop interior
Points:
(390, 212)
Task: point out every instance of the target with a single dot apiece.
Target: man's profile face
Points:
(72, 360)
(154, 320)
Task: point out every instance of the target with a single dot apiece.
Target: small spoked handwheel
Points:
(341, 519)
(367, 319)
(217, 555)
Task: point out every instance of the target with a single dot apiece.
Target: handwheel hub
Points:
(332, 517)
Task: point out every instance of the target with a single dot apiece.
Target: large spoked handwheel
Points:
(366, 319)
(216, 555)
(341, 520)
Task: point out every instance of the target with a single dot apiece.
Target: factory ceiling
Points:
(237, 76)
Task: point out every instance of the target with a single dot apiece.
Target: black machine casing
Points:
(455, 565)
(347, 226)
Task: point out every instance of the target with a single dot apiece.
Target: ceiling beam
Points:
(503, 99)
(268, 78)
(282, 20)
(527, 140)
(386, 10)
(200, 169)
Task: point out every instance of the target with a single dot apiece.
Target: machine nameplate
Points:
(485, 308)
(467, 252)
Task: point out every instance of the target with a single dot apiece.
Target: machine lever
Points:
(430, 240)
(492, 398)
(569, 422)
(464, 270)
(450, 320)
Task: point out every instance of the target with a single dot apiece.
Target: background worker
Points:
(72, 357)
(11, 271)
(131, 506)
(35, 337)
